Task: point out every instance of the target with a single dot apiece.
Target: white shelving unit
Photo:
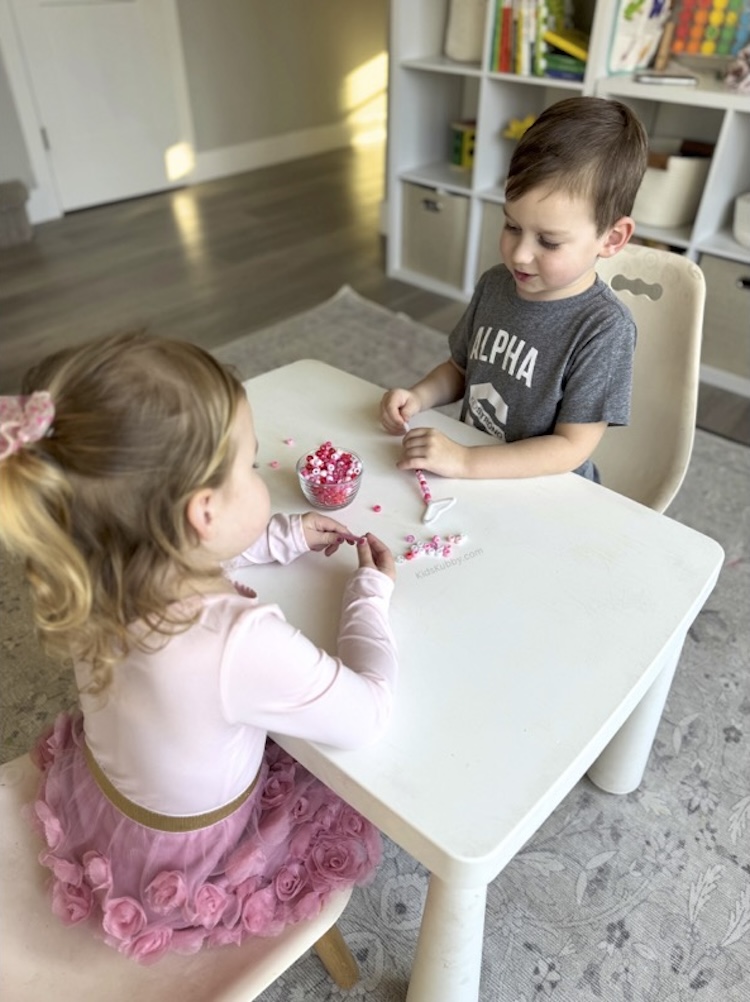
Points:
(709, 112)
(428, 92)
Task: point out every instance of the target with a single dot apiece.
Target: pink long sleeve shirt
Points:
(182, 727)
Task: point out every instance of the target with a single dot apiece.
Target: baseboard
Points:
(725, 380)
(40, 208)
(210, 165)
(213, 164)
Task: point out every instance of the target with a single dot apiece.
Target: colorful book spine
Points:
(506, 57)
(523, 33)
(494, 57)
(517, 36)
(540, 47)
(501, 37)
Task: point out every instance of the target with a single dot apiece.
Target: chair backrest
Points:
(44, 959)
(665, 292)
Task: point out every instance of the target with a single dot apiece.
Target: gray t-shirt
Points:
(530, 365)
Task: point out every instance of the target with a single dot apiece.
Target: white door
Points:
(110, 94)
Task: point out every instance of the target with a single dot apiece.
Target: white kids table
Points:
(542, 648)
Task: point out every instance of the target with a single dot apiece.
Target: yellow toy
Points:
(517, 126)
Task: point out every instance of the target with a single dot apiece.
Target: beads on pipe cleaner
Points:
(432, 508)
(424, 486)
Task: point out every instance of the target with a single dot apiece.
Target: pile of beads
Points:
(329, 477)
(435, 546)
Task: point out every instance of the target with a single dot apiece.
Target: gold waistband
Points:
(152, 819)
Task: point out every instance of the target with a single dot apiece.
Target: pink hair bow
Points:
(24, 420)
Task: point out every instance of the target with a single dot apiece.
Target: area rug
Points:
(643, 898)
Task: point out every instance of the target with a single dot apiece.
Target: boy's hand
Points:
(324, 533)
(396, 407)
(372, 552)
(428, 449)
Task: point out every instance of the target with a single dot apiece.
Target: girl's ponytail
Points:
(97, 466)
(35, 500)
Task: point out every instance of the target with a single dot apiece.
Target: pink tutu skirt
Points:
(273, 862)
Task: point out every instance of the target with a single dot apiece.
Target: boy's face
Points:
(550, 245)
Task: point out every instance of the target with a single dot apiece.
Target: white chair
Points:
(647, 461)
(42, 959)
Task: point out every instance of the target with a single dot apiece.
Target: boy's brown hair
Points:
(589, 147)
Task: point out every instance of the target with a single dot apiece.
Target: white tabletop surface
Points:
(521, 655)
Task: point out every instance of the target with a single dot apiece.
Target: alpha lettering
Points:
(505, 350)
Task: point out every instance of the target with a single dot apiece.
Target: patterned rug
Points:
(643, 898)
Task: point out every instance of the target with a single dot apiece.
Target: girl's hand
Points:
(324, 533)
(372, 552)
(396, 407)
(428, 449)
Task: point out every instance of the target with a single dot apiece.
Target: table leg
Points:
(620, 767)
(448, 960)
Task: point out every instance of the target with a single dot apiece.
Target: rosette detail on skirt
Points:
(272, 862)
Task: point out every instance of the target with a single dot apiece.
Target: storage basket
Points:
(493, 220)
(435, 230)
(464, 30)
(726, 333)
(670, 196)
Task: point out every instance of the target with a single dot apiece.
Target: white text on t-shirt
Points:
(509, 349)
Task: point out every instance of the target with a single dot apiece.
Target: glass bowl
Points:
(333, 484)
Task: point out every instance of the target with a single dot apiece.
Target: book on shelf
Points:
(570, 40)
(639, 28)
(502, 39)
(563, 67)
(562, 61)
(527, 36)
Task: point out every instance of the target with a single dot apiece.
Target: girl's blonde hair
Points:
(98, 508)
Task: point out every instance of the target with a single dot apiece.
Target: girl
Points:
(127, 483)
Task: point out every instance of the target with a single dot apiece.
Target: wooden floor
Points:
(218, 260)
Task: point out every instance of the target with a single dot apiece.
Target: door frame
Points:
(44, 201)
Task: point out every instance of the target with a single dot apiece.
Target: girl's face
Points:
(550, 245)
(241, 507)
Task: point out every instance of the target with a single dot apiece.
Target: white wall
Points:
(274, 81)
(268, 80)
(260, 68)
(14, 159)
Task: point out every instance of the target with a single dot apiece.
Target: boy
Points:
(542, 357)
